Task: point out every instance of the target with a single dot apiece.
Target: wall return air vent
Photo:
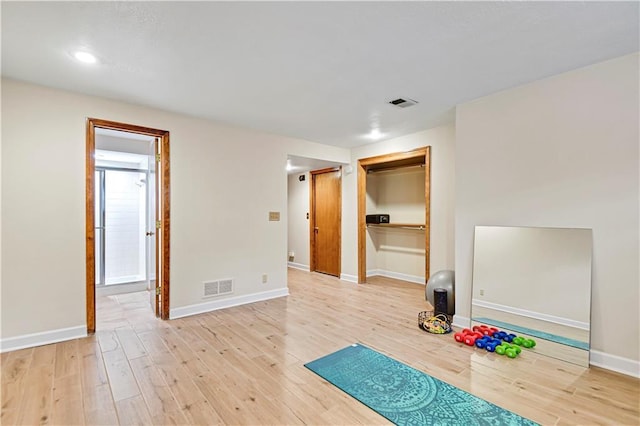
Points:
(403, 102)
(217, 288)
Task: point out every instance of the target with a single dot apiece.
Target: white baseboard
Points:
(614, 363)
(300, 266)
(349, 278)
(460, 321)
(42, 338)
(531, 314)
(343, 277)
(214, 305)
(397, 275)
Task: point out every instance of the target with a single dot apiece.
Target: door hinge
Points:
(158, 158)
(157, 291)
(158, 224)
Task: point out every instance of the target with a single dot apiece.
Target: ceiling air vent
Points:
(403, 103)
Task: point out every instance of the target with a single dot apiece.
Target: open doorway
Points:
(127, 212)
(300, 227)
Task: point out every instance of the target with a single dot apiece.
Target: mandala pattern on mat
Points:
(405, 395)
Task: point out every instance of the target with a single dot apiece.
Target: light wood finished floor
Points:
(244, 365)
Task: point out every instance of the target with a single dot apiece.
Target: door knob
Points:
(150, 233)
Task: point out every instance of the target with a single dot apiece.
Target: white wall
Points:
(534, 269)
(126, 223)
(224, 181)
(298, 226)
(560, 152)
(397, 252)
(442, 142)
(400, 192)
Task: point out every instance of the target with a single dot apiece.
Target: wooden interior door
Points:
(154, 234)
(326, 220)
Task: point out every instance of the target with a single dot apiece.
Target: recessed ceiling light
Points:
(375, 134)
(85, 57)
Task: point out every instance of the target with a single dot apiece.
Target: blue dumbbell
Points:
(509, 338)
(499, 334)
(503, 335)
(492, 344)
(482, 342)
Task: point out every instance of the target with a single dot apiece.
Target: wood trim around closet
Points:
(381, 162)
(427, 214)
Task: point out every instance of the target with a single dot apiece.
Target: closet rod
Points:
(384, 169)
(396, 226)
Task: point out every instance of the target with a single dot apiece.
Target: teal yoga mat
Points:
(405, 395)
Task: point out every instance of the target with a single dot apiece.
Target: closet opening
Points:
(397, 185)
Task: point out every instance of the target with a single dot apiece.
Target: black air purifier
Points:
(440, 299)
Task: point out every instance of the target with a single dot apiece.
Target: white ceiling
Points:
(321, 71)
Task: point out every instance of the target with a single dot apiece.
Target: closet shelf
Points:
(416, 226)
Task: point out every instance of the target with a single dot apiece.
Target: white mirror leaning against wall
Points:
(535, 283)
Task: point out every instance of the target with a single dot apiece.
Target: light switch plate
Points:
(274, 216)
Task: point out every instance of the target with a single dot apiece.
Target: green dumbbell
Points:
(522, 341)
(500, 349)
(508, 349)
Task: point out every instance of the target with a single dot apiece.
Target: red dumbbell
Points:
(485, 330)
(459, 336)
(470, 339)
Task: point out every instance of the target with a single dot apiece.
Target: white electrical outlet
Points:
(265, 278)
(481, 292)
